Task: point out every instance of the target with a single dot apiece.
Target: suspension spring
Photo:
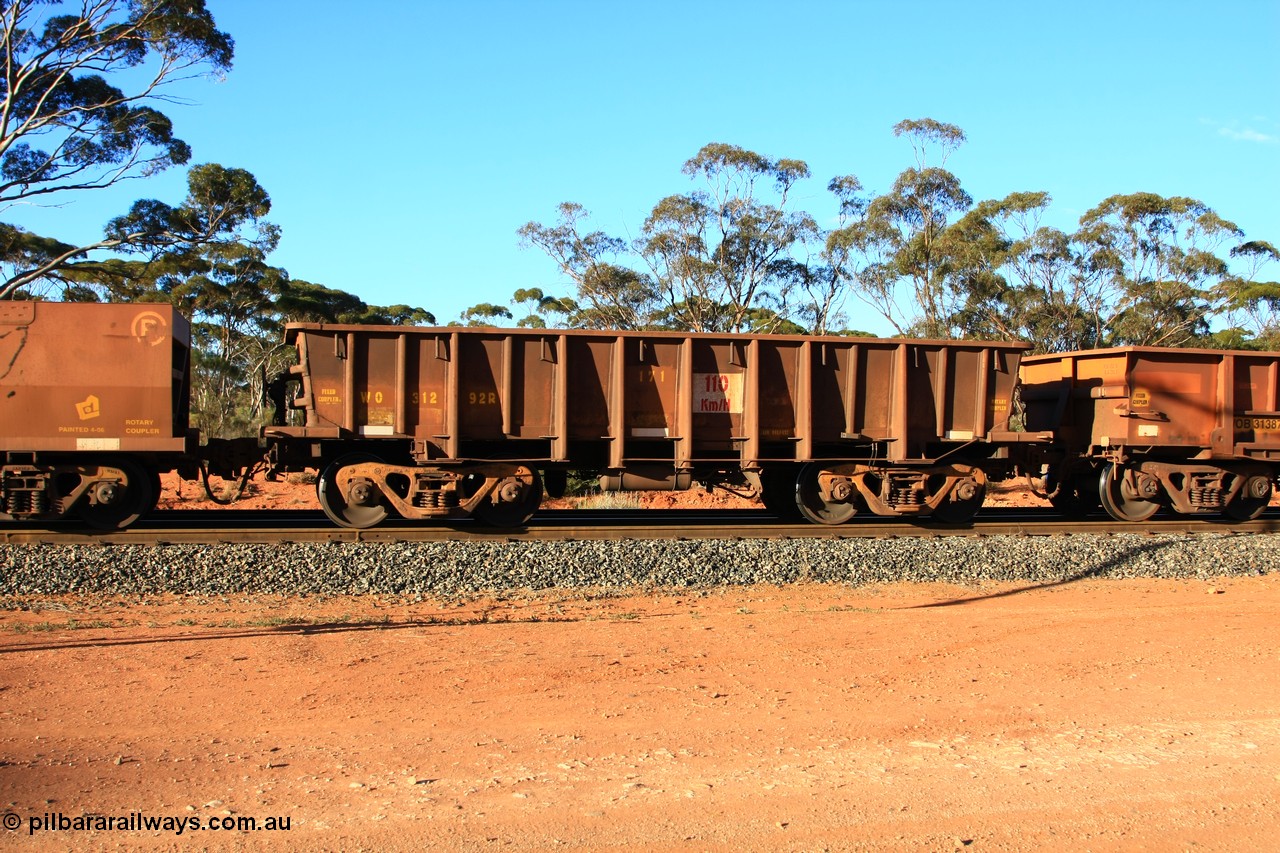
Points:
(1207, 498)
(900, 496)
(435, 499)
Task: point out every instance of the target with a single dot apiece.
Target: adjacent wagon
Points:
(93, 405)
(1139, 428)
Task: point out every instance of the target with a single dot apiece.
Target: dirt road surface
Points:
(1096, 715)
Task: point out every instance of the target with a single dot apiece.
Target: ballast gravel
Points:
(462, 568)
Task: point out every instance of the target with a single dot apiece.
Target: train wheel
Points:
(518, 498)
(961, 509)
(1076, 497)
(809, 500)
(115, 506)
(1119, 499)
(362, 507)
(1251, 500)
(778, 494)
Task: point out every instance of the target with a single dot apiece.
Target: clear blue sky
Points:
(403, 143)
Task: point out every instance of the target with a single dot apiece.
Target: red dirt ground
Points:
(1098, 715)
(1104, 715)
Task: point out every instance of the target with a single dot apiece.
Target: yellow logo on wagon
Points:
(89, 408)
(1141, 398)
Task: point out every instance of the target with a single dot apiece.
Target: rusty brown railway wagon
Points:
(1139, 428)
(93, 404)
(456, 422)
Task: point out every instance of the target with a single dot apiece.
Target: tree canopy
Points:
(735, 254)
(81, 84)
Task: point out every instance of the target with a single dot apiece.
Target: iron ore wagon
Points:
(457, 422)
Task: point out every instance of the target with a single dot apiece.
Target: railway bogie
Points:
(360, 490)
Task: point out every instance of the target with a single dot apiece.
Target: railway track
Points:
(281, 526)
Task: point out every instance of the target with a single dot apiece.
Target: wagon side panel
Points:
(591, 415)
(322, 357)
(91, 377)
(718, 404)
(878, 391)
(653, 377)
(429, 363)
(533, 382)
(1174, 399)
(377, 366)
(776, 399)
(1255, 414)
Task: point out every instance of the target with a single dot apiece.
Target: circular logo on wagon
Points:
(150, 327)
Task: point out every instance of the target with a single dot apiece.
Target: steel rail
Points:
(284, 526)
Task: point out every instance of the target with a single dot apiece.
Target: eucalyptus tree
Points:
(1160, 264)
(858, 259)
(914, 215)
(542, 310)
(81, 81)
(397, 315)
(1022, 280)
(718, 253)
(228, 203)
(1251, 306)
(890, 249)
(224, 285)
(301, 301)
(610, 294)
(486, 314)
(235, 331)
